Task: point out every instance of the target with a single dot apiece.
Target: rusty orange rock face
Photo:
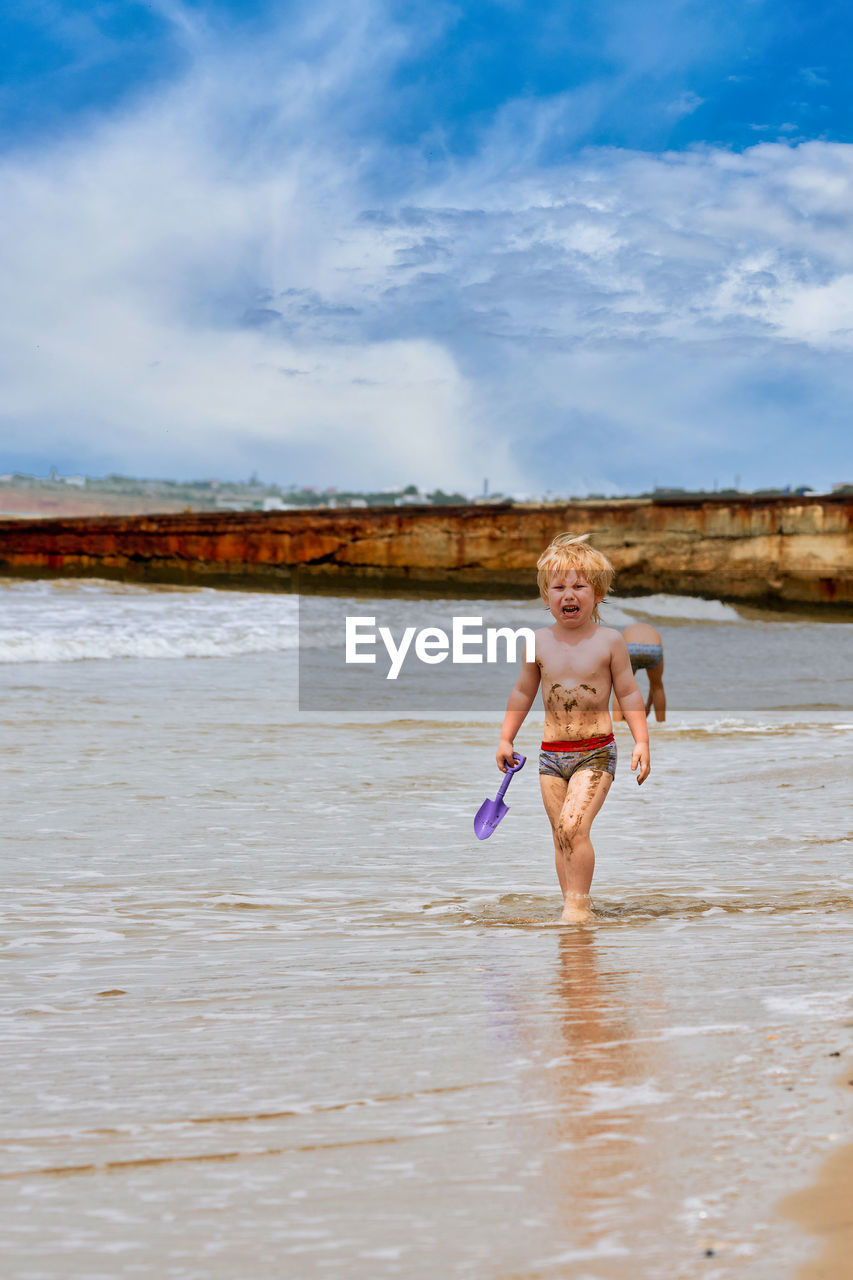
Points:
(785, 550)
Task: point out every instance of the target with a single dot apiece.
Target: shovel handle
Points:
(510, 770)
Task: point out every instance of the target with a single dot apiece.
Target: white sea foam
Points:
(826, 1005)
(691, 608)
(613, 615)
(768, 722)
(604, 1096)
(71, 621)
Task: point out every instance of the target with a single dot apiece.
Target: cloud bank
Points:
(233, 274)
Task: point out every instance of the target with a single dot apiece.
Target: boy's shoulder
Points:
(609, 633)
(609, 636)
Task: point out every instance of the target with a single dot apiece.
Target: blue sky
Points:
(572, 247)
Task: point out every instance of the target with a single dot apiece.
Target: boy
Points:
(578, 663)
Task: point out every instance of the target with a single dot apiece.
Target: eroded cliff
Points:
(783, 550)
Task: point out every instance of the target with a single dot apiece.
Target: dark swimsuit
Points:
(645, 656)
(563, 759)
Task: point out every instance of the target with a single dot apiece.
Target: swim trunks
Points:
(645, 656)
(563, 759)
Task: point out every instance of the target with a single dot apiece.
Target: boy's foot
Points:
(577, 909)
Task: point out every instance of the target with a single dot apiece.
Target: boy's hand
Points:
(504, 754)
(641, 757)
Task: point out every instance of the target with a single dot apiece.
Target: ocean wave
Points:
(92, 645)
(691, 608)
(76, 620)
(722, 726)
(46, 587)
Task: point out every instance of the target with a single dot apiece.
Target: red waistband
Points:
(579, 744)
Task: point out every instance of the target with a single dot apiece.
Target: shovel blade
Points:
(488, 816)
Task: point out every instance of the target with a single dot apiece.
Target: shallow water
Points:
(270, 1009)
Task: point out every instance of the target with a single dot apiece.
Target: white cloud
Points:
(220, 274)
(684, 105)
(132, 258)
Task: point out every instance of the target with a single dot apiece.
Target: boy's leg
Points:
(553, 798)
(585, 794)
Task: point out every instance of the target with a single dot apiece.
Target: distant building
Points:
(228, 502)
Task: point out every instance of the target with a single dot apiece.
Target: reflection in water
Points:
(603, 1086)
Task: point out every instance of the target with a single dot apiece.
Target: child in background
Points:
(645, 649)
(578, 664)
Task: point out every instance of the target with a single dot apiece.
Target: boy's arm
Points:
(520, 702)
(631, 701)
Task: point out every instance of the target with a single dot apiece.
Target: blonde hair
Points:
(571, 551)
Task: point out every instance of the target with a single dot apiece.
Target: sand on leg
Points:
(571, 823)
(553, 797)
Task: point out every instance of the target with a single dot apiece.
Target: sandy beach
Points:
(271, 1008)
(825, 1209)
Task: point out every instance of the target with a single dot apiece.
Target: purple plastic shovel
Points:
(490, 812)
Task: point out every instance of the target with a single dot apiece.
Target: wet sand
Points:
(825, 1209)
(271, 1009)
